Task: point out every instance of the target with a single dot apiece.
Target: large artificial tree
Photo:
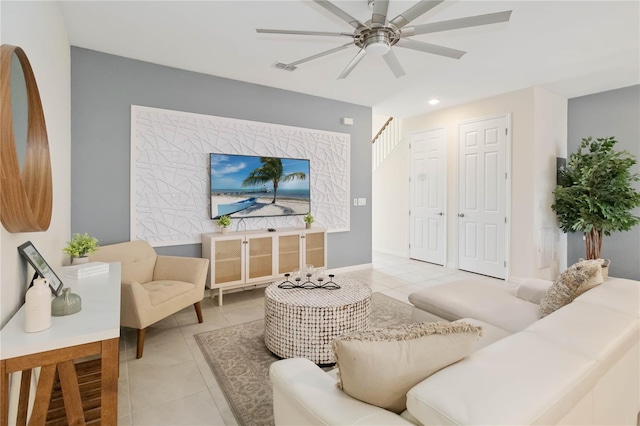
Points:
(595, 193)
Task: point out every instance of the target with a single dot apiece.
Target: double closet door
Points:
(480, 197)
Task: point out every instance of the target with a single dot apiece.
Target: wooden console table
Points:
(95, 330)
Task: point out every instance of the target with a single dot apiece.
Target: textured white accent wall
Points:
(170, 162)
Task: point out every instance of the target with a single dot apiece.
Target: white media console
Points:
(239, 259)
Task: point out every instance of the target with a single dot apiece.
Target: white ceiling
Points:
(573, 48)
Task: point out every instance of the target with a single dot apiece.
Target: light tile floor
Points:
(172, 383)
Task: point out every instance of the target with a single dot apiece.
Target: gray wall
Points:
(103, 88)
(613, 113)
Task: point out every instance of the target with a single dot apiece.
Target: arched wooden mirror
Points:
(26, 189)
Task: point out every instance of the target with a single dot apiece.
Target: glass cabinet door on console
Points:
(314, 248)
(289, 252)
(227, 264)
(260, 258)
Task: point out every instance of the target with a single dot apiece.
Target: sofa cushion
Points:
(533, 289)
(619, 294)
(517, 380)
(379, 366)
(490, 333)
(593, 330)
(483, 301)
(303, 394)
(161, 291)
(577, 279)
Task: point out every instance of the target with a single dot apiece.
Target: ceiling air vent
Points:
(285, 67)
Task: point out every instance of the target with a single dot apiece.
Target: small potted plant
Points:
(223, 223)
(308, 220)
(79, 247)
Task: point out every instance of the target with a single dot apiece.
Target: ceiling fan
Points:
(378, 35)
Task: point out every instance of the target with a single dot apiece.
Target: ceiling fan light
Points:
(377, 48)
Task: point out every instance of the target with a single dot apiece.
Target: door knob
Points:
(440, 214)
(461, 214)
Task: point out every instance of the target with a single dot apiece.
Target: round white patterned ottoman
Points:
(303, 322)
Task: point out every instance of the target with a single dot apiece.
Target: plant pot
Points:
(223, 230)
(307, 225)
(79, 260)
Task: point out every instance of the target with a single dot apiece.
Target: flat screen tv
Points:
(252, 186)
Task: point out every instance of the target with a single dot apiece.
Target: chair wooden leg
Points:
(198, 311)
(140, 343)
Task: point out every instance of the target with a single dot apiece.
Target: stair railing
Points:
(385, 141)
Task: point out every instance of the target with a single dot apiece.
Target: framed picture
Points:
(41, 266)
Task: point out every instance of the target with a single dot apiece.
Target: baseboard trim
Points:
(398, 253)
(351, 268)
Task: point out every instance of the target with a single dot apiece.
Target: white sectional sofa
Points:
(579, 365)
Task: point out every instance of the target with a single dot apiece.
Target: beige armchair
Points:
(154, 287)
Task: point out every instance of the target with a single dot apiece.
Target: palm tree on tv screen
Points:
(271, 171)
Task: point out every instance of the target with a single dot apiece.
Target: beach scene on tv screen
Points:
(252, 186)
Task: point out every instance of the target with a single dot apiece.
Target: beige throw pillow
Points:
(605, 267)
(380, 366)
(577, 279)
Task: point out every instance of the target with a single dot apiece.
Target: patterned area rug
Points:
(240, 361)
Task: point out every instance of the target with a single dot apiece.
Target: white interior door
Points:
(482, 197)
(428, 187)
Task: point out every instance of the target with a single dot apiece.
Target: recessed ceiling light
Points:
(434, 101)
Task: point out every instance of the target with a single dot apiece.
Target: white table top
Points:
(98, 320)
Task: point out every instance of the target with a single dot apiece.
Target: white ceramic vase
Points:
(38, 307)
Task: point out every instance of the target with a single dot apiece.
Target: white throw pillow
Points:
(379, 366)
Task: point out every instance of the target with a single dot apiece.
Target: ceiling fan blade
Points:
(320, 55)
(391, 60)
(352, 64)
(414, 11)
(311, 33)
(340, 13)
(430, 48)
(380, 8)
(454, 24)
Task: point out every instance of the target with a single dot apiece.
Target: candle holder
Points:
(308, 284)
(286, 283)
(330, 285)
